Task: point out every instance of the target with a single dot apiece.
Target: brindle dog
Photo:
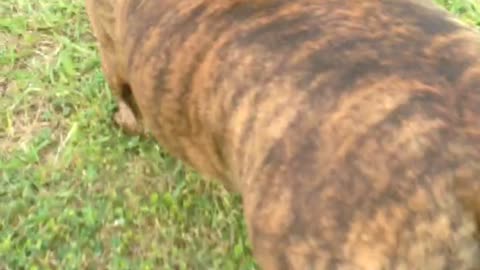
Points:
(351, 128)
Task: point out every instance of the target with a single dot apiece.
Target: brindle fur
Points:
(351, 128)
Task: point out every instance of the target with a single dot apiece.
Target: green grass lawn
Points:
(75, 193)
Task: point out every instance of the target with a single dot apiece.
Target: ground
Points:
(76, 193)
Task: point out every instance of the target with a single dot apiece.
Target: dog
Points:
(351, 129)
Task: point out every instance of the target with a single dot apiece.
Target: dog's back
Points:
(351, 128)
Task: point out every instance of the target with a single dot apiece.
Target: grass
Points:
(75, 193)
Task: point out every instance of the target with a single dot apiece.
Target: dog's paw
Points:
(126, 120)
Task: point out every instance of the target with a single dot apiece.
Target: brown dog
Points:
(351, 128)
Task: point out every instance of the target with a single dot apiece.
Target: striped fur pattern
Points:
(351, 128)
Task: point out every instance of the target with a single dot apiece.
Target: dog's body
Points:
(351, 128)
